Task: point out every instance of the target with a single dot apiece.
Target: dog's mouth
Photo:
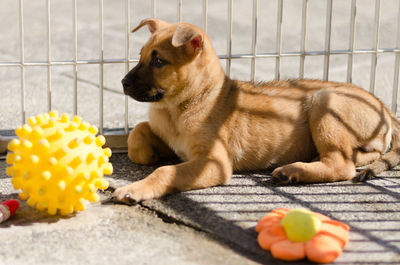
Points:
(142, 91)
(145, 94)
(155, 98)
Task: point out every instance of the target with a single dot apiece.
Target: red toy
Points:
(7, 209)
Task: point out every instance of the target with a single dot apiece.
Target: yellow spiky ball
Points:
(58, 163)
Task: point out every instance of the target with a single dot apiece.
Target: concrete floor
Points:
(210, 226)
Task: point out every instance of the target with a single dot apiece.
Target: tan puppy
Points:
(217, 125)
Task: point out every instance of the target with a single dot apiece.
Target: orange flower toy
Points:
(299, 233)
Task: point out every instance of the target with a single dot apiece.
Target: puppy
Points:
(308, 130)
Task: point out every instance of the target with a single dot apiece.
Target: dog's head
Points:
(168, 61)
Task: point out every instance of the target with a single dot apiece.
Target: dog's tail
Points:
(387, 160)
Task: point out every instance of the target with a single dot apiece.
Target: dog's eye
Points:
(157, 62)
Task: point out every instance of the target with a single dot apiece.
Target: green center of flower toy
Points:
(300, 225)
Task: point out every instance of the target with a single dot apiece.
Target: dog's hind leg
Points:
(335, 162)
(334, 139)
(363, 158)
(332, 167)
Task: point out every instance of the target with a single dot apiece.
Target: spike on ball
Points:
(53, 163)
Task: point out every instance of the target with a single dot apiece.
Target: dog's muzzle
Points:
(140, 91)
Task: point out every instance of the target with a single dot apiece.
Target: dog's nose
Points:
(125, 83)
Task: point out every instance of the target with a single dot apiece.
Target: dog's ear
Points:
(188, 36)
(153, 24)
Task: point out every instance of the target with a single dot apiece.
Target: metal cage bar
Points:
(375, 45)
(22, 57)
(328, 33)
(204, 11)
(75, 56)
(279, 40)
(153, 8)
(48, 32)
(303, 38)
(224, 57)
(352, 34)
(221, 56)
(254, 40)
(229, 39)
(101, 67)
(396, 66)
(179, 11)
(127, 55)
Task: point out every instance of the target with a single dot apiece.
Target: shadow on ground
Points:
(229, 213)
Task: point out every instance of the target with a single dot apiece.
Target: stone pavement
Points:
(210, 226)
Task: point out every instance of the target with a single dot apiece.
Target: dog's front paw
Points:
(132, 193)
(283, 176)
